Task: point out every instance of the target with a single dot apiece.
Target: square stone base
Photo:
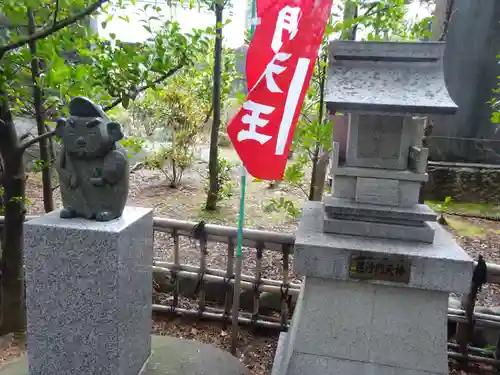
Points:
(358, 328)
(88, 294)
(441, 266)
(378, 326)
(346, 216)
(421, 233)
(373, 187)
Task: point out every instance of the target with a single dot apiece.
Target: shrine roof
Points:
(399, 77)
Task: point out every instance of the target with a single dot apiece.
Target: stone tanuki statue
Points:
(92, 165)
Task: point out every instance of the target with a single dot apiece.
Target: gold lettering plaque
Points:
(369, 266)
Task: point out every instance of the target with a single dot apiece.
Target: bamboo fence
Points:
(461, 353)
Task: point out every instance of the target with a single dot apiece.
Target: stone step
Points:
(422, 233)
(346, 208)
(170, 355)
(382, 220)
(343, 170)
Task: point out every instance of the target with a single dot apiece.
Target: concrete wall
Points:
(471, 68)
(478, 183)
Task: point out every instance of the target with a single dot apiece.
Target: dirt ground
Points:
(256, 348)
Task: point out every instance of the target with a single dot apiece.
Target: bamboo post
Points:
(203, 261)
(175, 235)
(257, 281)
(228, 277)
(241, 221)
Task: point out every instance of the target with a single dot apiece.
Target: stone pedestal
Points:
(88, 294)
(346, 326)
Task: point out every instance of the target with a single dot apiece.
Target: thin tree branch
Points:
(24, 136)
(209, 113)
(54, 28)
(306, 116)
(112, 105)
(140, 89)
(303, 190)
(30, 154)
(56, 13)
(449, 14)
(372, 10)
(31, 142)
(310, 154)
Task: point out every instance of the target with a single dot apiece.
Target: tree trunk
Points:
(173, 183)
(317, 185)
(12, 288)
(350, 12)
(317, 190)
(214, 136)
(48, 201)
(312, 185)
(12, 281)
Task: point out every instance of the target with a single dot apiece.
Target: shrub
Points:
(133, 145)
(176, 110)
(283, 204)
(172, 161)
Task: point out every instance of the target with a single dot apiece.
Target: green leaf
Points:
(495, 117)
(125, 101)
(329, 29)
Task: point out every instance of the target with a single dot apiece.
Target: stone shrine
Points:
(378, 268)
(376, 187)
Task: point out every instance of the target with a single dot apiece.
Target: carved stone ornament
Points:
(92, 165)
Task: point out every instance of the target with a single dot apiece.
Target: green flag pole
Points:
(241, 221)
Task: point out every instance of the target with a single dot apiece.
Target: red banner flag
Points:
(280, 63)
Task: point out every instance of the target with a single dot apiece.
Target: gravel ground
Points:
(479, 236)
(256, 348)
(11, 348)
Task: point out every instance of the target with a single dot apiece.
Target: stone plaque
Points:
(379, 137)
(377, 191)
(367, 266)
